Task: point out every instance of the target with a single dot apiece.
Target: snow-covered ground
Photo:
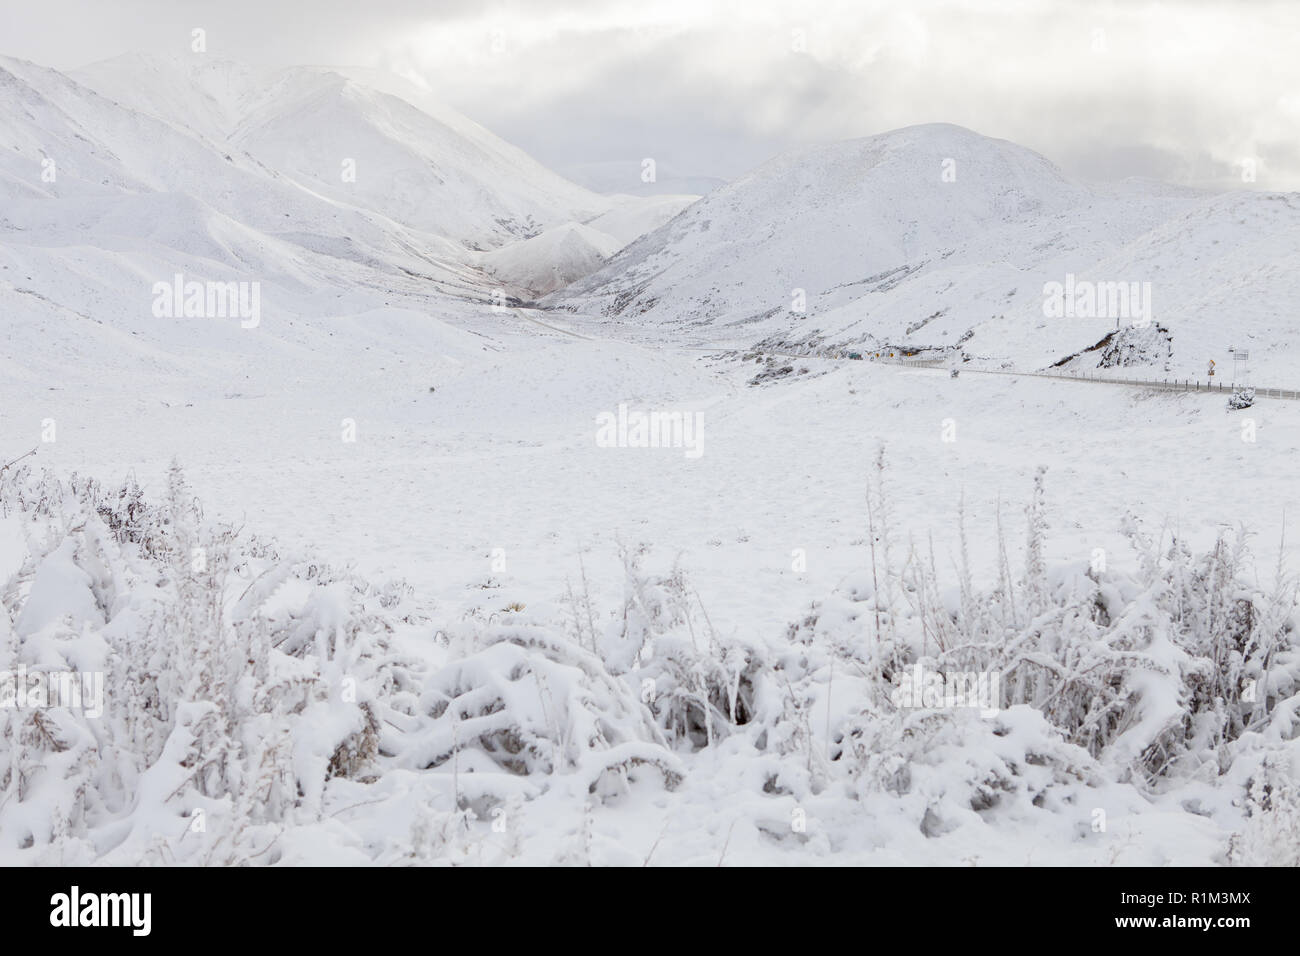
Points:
(450, 623)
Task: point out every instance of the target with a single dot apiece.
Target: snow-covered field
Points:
(388, 595)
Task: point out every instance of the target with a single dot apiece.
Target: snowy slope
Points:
(416, 162)
(563, 254)
(213, 172)
(634, 216)
(552, 259)
(223, 172)
(112, 160)
(885, 249)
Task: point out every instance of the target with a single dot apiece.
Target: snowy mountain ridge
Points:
(935, 237)
(303, 180)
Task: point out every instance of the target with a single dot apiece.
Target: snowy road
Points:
(1168, 385)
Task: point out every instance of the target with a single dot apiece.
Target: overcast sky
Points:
(1182, 91)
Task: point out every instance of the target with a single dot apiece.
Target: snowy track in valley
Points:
(1168, 385)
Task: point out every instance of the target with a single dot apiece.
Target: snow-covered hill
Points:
(375, 141)
(101, 203)
(359, 138)
(561, 255)
(553, 259)
(222, 173)
(935, 236)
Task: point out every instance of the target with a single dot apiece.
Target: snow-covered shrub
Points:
(1271, 835)
(249, 695)
(697, 684)
(233, 687)
(519, 700)
(258, 705)
(1241, 398)
(1154, 677)
(945, 767)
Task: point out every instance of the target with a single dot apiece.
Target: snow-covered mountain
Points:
(359, 138)
(560, 255)
(219, 172)
(935, 236)
(380, 142)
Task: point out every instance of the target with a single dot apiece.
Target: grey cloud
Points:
(1177, 91)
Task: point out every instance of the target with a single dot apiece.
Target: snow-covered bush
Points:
(697, 684)
(1271, 835)
(519, 700)
(1158, 677)
(233, 686)
(247, 694)
(942, 767)
(1241, 398)
(261, 707)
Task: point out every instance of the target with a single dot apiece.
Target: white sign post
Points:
(1240, 370)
